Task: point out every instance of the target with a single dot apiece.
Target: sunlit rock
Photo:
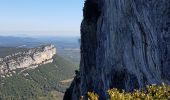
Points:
(27, 59)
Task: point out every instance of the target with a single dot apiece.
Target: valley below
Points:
(43, 72)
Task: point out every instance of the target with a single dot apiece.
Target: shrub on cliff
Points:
(152, 92)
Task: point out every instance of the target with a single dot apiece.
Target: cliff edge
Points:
(30, 58)
(125, 44)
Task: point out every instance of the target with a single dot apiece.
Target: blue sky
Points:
(40, 17)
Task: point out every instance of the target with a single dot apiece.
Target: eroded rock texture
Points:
(125, 44)
(27, 59)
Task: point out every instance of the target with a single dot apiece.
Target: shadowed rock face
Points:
(124, 44)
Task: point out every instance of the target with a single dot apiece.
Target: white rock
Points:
(27, 59)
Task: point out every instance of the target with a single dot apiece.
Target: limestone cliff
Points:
(124, 44)
(27, 59)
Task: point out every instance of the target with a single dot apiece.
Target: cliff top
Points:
(30, 51)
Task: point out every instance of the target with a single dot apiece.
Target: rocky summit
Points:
(125, 44)
(28, 59)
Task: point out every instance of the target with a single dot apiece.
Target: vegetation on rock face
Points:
(152, 92)
(93, 96)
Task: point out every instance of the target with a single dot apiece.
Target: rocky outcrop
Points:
(124, 44)
(27, 59)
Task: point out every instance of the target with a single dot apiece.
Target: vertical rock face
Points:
(125, 44)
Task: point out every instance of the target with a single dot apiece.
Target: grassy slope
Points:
(41, 83)
(5, 51)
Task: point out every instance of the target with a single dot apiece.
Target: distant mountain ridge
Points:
(30, 58)
(15, 43)
(12, 41)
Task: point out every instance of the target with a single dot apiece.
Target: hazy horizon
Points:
(22, 34)
(40, 17)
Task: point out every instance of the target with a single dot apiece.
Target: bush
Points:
(152, 92)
